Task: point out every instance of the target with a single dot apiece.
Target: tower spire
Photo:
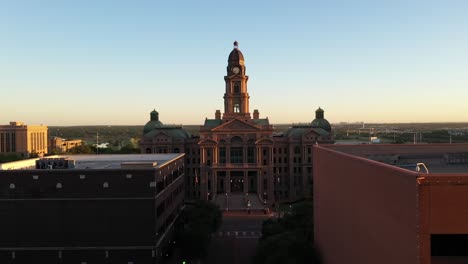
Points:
(236, 98)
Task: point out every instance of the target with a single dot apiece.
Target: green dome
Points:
(151, 125)
(155, 127)
(173, 132)
(320, 121)
(154, 122)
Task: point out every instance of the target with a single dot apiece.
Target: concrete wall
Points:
(364, 211)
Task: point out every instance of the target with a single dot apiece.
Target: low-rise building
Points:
(63, 145)
(89, 208)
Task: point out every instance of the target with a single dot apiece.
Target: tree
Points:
(194, 228)
(129, 149)
(82, 149)
(9, 157)
(289, 239)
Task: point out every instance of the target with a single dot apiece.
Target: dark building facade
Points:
(238, 152)
(90, 208)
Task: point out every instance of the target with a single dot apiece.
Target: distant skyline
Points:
(111, 62)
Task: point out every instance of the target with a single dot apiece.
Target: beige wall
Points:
(23, 139)
(64, 145)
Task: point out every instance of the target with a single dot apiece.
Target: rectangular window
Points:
(13, 142)
(236, 154)
(449, 245)
(2, 145)
(250, 155)
(8, 142)
(222, 155)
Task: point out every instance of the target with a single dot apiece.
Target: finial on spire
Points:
(236, 44)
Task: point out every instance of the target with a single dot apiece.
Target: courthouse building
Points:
(239, 152)
(23, 139)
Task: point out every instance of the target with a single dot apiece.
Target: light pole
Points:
(227, 202)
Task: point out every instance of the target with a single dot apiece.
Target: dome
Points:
(173, 132)
(320, 121)
(151, 125)
(236, 57)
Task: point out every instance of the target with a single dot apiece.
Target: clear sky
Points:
(111, 62)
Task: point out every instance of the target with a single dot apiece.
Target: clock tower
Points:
(236, 97)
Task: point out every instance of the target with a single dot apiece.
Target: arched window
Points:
(105, 185)
(58, 186)
(236, 140)
(236, 89)
(236, 108)
(236, 150)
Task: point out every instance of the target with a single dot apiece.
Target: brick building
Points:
(238, 152)
(89, 208)
(391, 203)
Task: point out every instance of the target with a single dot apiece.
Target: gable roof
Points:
(236, 124)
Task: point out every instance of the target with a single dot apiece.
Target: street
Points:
(236, 241)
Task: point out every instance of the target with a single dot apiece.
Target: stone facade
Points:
(237, 152)
(63, 145)
(24, 139)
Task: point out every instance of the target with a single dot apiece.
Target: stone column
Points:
(228, 182)
(244, 154)
(246, 182)
(214, 188)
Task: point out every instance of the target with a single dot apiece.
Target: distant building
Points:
(390, 204)
(90, 208)
(237, 152)
(23, 139)
(63, 145)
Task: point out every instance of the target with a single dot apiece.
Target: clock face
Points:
(235, 70)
